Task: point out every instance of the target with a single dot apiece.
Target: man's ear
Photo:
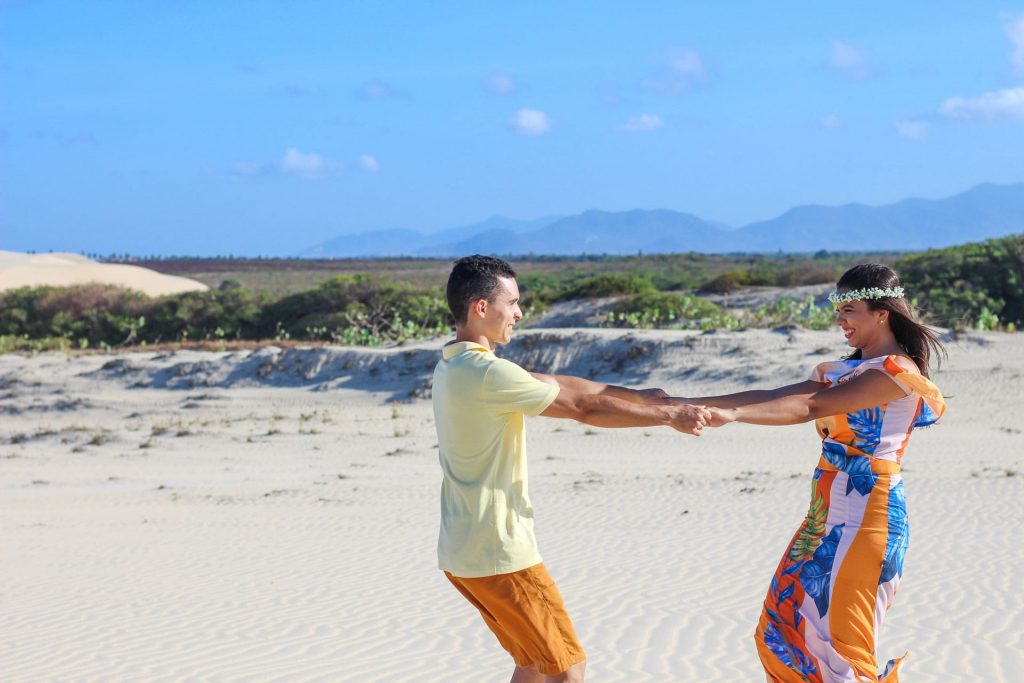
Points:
(479, 308)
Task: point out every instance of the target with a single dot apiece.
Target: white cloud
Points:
(307, 165)
(529, 122)
(642, 123)
(685, 70)
(848, 59)
(991, 106)
(501, 84)
(831, 121)
(1015, 32)
(915, 130)
(369, 163)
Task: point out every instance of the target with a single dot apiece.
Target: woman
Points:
(838, 577)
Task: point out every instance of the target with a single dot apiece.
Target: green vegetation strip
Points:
(978, 285)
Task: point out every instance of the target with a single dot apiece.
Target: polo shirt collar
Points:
(455, 348)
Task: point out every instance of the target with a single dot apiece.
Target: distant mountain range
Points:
(984, 211)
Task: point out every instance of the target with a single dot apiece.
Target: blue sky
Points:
(178, 127)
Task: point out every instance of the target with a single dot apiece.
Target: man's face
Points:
(503, 312)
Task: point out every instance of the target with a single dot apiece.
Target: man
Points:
(486, 545)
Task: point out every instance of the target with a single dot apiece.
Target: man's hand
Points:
(689, 419)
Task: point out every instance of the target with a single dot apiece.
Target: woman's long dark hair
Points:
(920, 342)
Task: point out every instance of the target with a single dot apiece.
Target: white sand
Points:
(271, 517)
(66, 270)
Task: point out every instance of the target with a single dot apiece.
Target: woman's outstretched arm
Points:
(744, 398)
(869, 389)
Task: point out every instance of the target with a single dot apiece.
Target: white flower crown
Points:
(867, 293)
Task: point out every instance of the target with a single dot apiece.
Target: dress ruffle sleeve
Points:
(933, 404)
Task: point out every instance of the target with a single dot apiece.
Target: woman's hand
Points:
(721, 416)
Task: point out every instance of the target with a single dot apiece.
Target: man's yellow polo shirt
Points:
(480, 402)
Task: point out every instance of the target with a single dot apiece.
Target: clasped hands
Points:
(689, 417)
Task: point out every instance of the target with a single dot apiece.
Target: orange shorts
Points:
(525, 611)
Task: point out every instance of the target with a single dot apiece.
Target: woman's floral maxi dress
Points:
(838, 577)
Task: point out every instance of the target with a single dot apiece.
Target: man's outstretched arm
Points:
(586, 386)
(605, 410)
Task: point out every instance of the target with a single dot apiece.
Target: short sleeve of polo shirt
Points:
(508, 388)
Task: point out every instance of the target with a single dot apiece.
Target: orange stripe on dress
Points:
(851, 612)
(877, 466)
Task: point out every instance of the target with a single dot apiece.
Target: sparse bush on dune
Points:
(540, 289)
(664, 309)
(761, 276)
(786, 311)
(673, 310)
(608, 284)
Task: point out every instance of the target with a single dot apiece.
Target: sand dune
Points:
(271, 515)
(66, 270)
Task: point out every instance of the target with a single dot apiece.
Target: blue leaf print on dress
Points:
(806, 665)
(816, 573)
(926, 417)
(867, 428)
(899, 535)
(835, 454)
(773, 639)
(857, 468)
(860, 475)
(788, 653)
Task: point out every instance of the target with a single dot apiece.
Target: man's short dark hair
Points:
(473, 278)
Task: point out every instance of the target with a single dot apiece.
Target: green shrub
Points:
(608, 284)
(232, 313)
(764, 275)
(787, 311)
(967, 285)
(9, 343)
(93, 312)
(358, 309)
(727, 282)
(663, 309)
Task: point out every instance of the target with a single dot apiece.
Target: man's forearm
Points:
(586, 386)
(601, 410)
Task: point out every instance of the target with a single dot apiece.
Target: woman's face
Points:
(860, 325)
